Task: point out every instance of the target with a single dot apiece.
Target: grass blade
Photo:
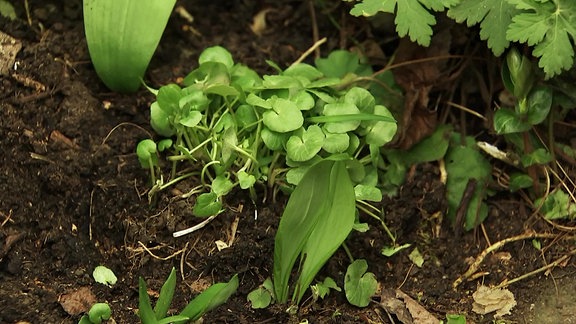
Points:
(166, 295)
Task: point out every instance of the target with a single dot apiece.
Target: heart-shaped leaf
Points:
(207, 204)
(336, 142)
(305, 147)
(341, 108)
(359, 285)
(283, 117)
(380, 132)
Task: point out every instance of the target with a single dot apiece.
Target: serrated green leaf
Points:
(548, 26)
(495, 17)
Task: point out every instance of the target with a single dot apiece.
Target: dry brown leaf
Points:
(9, 48)
(78, 301)
(406, 309)
(488, 300)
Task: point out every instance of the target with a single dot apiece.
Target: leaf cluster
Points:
(546, 25)
(238, 129)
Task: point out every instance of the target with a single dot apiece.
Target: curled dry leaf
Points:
(406, 309)
(488, 300)
(78, 301)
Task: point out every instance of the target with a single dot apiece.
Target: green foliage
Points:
(104, 276)
(359, 285)
(262, 296)
(211, 298)
(558, 204)
(7, 10)
(317, 219)
(546, 25)
(455, 319)
(322, 289)
(237, 129)
(122, 37)
(412, 16)
(98, 312)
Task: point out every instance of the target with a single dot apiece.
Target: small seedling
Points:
(98, 312)
(322, 289)
(211, 298)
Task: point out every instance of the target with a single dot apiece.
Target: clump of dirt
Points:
(72, 194)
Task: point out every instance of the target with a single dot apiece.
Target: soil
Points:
(73, 196)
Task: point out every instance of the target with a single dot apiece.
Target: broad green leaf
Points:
(464, 163)
(548, 26)
(161, 121)
(246, 116)
(304, 147)
(359, 285)
(210, 298)
(221, 185)
(302, 212)
(361, 98)
(380, 132)
(538, 156)
(303, 100)
(283, 117)
(322, 289)
(207, 204)
(339, 63)
(369, 193)
(341, 108)
(254, 100)
(7, 10)
(281, 82)
(455, 319)
(303, 70)
(334, 223)
(259, 298)
(335, 142)
(216, 54)
(168, 98)
(495, 17)
(507, 121)
(192, 119)
(166, 295)
(558, 204)
(104, 276)
(539, 104)
(246, 180)
(122, 37)
(273, 140)
(519, 181)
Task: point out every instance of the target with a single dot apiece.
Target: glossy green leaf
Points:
(99, 312)
(335, 142)
(283, 117)
(273, 140)
(304, 147)
(246, 180)
(306, 203)
(207, 204)
(339, 63)
(361, 98)
(507, 121)
(519, 181)
(104, 276)
(210, 298)
(122, 37)
(359, 285)
(303, 100)
(303, 70)
(539, 104)
(161, 121)
(334, 223)
(259, 298)
(369, 193)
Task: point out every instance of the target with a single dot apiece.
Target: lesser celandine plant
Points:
(122, 36)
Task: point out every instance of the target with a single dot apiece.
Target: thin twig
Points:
(309, 51)
(194, 228)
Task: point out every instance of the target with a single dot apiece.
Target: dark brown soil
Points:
(72, 192)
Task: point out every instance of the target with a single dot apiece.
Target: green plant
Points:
(211, 298)
(98, 312)
(122, 37)
(546, 25)
(359, 285)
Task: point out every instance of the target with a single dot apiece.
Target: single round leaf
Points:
(147, 154)
(221, 185)
(168, 98)
(359, 285)
(507, 121)
(192, 119)
(283, 117)
(104, 276)
(217, 54)
(273, 140)
(369, 193)
(207, 204)
(259, 298)
(303, 100)
(99, 312)
(380, 132)
(341, 108)
(539, 103)
(160, 121)
(336, 143)
(361, 98)
(245, 116)
(305, 147)
(303, 70)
